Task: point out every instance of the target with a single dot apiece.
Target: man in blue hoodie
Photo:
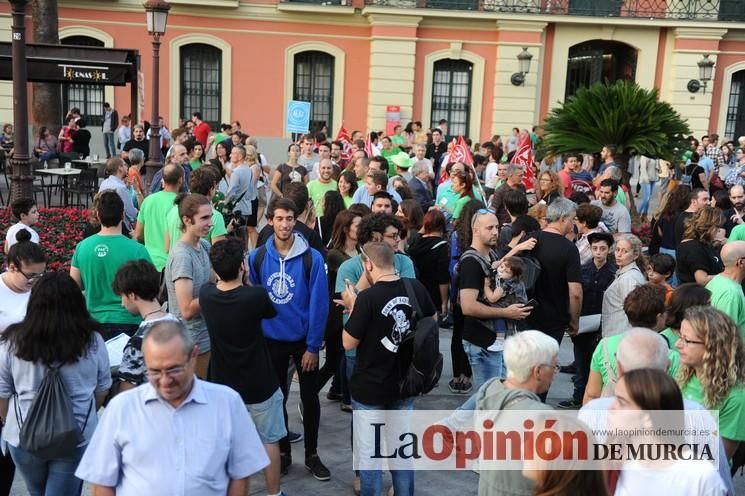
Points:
(293, 274)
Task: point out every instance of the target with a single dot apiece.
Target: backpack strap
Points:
(261, 253)
(412, 299)
(258, 260)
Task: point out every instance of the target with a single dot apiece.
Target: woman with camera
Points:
(242, 193)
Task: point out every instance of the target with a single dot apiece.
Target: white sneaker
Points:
(498, 344)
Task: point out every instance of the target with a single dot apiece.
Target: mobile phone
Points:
(532, 303)
(350, 286)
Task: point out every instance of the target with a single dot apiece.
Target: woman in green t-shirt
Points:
(462, 186)
(711, 372)
(196, 158)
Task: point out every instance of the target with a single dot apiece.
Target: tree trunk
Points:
(46, 102)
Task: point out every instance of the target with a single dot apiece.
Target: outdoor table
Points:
(60, 173)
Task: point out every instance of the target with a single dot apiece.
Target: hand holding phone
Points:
(532, 303)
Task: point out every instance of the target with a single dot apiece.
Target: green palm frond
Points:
(621, 113)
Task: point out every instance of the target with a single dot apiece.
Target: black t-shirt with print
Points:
(694, 255)
(382, 321)
(240, 358)
(560, 265)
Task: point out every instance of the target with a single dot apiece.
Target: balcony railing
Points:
(695, 10)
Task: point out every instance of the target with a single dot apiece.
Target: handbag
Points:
(716, 183)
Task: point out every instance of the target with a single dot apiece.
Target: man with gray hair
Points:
(514, 181)
(142, 440)
(532, 361)
(116, 170)
(177, 154)
(642, 348)
(559, 286)
(419, 184)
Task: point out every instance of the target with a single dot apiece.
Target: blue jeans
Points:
(371, 481)
(647, 189)
(108, 144)
(49, 477)
(485, 364)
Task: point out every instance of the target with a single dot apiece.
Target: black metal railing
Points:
(696, 10)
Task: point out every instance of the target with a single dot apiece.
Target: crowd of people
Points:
(229, 277)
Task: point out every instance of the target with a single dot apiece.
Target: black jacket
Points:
(114, 121)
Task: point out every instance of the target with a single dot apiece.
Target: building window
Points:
(201, 82)
(89, 98)
(736, 107)
(600, 8)
(597, 61)
(451, 95)
(314, 82)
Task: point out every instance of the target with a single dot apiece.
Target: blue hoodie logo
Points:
(280, 288)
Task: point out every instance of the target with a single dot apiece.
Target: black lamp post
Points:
(705, 69)
(156, 12)
(21, 177)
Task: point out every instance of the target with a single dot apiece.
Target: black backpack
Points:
(423, 373)
(50, 429)
(261, 253)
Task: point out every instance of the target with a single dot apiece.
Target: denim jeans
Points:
(108, 144)
(49, 477)
(485, 364)
(371, 481)
(647, 189)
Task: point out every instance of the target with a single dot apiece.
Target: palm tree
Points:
(621, 113)
(46, 97)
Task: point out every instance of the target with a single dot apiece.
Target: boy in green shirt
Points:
(96, 261)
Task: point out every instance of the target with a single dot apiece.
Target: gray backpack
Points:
(50, 429)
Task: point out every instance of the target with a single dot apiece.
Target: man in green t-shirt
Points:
(318, 187)
(203, 181)
(151, 220)
(95, 263)
(726, 288)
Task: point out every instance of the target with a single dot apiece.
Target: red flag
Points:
(369, 147)
(461, 153)
(524, 157)
(346, 143)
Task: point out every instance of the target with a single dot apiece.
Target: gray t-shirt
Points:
(616, 218)
(185, 262)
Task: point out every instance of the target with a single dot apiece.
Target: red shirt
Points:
(566, 181)
(202, 132)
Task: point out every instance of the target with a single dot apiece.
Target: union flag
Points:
(524, 158)
(346, 143)
(461, 153)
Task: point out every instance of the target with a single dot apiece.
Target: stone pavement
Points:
(334, 446)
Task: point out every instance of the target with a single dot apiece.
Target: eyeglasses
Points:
(687, 341)
(554, 366)
(172, 372)
(393, 236)
(31, 277)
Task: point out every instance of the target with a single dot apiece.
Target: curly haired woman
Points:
(711, 373)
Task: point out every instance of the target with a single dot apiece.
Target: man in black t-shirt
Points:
(479, 341)
(558, 289)
(381, 329)
(240, 358)
(138, 141)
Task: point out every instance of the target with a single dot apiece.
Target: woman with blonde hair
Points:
(630, 274)
(549, 187)
(712, 355)
(697, 258)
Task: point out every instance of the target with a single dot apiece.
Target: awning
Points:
(74, 64)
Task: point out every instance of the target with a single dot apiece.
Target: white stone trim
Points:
(724, 100)
(339, 78)
(477, 85)
(174, 54)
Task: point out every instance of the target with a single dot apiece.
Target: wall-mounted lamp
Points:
(705, 68)
(523, 60)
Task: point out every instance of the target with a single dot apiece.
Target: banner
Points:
(524, 158)
(298, 117)
(392, 118)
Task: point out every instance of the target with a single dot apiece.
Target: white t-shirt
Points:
(12, 305)
(490, 175)
(683, 478)
(10, 237)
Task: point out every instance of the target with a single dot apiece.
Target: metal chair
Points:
(84, 186)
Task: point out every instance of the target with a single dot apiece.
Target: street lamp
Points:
(705, 69)
(156, 12)
(21, 177)
(523, 61)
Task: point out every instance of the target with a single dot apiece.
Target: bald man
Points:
(726, 288)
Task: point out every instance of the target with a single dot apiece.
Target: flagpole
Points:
(478, 182)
